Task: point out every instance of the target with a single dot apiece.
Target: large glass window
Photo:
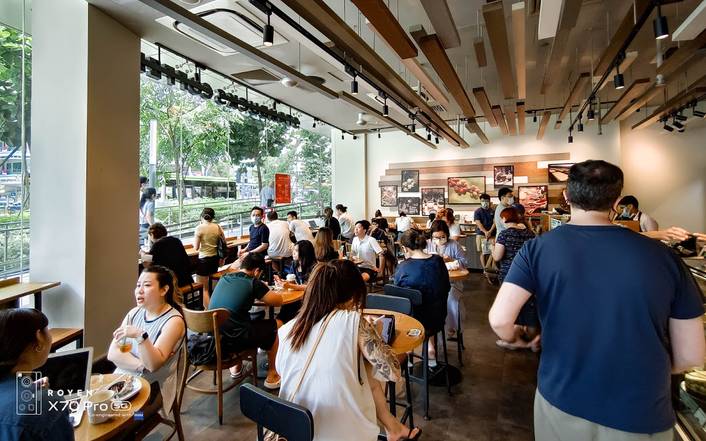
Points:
(199, 153)
(15, 151)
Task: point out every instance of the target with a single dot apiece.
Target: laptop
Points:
(313, 224)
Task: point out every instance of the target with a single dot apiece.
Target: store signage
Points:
(283, 189)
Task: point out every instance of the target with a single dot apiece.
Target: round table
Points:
(288, 296)
(122, 418)
(402, 343)
(458, 274)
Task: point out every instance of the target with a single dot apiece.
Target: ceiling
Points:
(595, 24)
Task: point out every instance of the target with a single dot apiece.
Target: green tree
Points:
(315, 151)
(15, 85)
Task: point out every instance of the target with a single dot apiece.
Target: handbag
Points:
(270, 435)
(222, 245)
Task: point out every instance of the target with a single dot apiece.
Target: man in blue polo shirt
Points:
(259, 234)
(485, 230)
(619, 313)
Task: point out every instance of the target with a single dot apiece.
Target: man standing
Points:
(619, 313)
(301, 229)
(267, 196)
(628, 209)
(507, 198)
(259, 234)
(485, 231)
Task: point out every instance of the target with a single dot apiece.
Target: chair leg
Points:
(220, 396)
(408, 386)
(425, 376)
(446, 360)
(179, 428)
(459, 337)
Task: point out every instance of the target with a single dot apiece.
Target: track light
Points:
(698, 113)
(342, 138)
(436, 139)
(618, 81)
(580, 125)
(659, 25)
(534, 117)
(666, 126)
(355, 137)
(571, 138)
(677, 124)
(680, 117)
(428, 135)
(354, 86)
(314, 124)
(268, 32)
(591, 114)
(379, 134)
(385, 109)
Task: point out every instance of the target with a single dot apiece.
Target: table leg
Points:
(38, 301)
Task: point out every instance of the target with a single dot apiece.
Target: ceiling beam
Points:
(554, 66)
(634, 91)
(484, 102)
(519, 38)
(576, 91)
(671, 105)
(521, 117)
(473, 127)
(549, 14)
(640, 102)
(479, 49)
(543, 124)
(510, 119)
(500, 118)
(620, 35)
(435, 53)
(387, 26)
(692, 25)
(360, 54)
(682, 55)
(494, 17)
(442, 21)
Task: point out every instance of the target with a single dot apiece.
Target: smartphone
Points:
(388, 328)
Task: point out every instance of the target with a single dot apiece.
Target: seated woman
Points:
(24, 346)
(451, 251)
(507, 245)
(323, 245)
(151, 333)
(428, 274)
(331, 330)
(303, 262)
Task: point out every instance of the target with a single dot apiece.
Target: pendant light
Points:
(659, 25)
(385, 109)
(618, 80)
(354, 85)
(580, 124)
(268, 32)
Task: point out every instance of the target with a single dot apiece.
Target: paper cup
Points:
(291, 278)
(98, 406)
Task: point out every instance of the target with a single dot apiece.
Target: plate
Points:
(136, 386)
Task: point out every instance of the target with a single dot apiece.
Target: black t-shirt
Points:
(258, 235)
(335, 227)
(169, 252)
(605, 296)
(237, 292)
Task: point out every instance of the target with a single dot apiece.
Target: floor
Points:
(493, 402)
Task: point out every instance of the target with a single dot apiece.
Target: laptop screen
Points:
(313, 224)
(68, 371)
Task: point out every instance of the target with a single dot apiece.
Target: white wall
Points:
(395, 147)
(349, 173)
(667, 172)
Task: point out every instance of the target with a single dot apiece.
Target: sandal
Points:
(505, 345)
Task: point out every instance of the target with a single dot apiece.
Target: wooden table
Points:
(98, 432)
(402, 343)
(12, 293)
(232, 243)
(458, 274)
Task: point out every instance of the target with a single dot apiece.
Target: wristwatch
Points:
(142, 338)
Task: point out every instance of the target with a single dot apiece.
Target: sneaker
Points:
(273, 386)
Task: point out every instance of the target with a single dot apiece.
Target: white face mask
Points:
(626, 212)
(484, 204)
(256, 219)
(440, 241)
(511, 200)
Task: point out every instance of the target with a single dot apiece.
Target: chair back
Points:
(289, 420)
(205, 321)
(389, 303)
(414, 295)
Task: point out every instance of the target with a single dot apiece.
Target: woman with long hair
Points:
(454, 228)
(331, 330)
(25, 343)
(323, 245)
(303, 262)
(206, 243)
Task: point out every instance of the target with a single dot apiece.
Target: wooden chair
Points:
(289, 420)
(209, 322)
(190, 296)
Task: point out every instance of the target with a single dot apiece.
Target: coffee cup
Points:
(99, 406)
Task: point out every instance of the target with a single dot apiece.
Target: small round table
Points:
(458, 274)
(402, 343)
(121, 418)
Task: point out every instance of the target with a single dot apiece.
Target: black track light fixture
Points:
(342, 137)
(698, 113)
(355, 137)
(268, 32)
(428, 135)
(436, 139)
(379, 134)
(591, 114)
(659, 25)
(354, 85)
(667, 128)
(413, 126)
(571, 138)
(580, 124)
(618, 80)
(385, 109)
(677, 124)
(534, 116)
(313, 125)
(680, 117)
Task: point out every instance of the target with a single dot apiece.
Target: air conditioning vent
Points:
(438, 108)
(230, 16)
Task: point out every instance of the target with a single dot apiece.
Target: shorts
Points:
(479, 244)
(207, 266)
(262, 334)
(370, 272)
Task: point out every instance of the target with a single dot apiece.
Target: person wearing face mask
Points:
(259, 234)
(485, 231)
(450, 250)
(507, 198)
(628, 209)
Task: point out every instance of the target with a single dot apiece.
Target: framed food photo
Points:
(409, 205)
(388, 196)
(409, 182)
(466, 190)
(558, 172)
(503, 176)
(433, 200)
(534, 198)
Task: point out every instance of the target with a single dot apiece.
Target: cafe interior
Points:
(443, 107)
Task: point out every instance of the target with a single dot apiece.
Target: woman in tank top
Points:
(151, 333)
(342, 384)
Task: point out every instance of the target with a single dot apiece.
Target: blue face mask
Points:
(256, 219)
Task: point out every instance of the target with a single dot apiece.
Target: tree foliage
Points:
(15, 78)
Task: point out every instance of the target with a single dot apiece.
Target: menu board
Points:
(283, 189)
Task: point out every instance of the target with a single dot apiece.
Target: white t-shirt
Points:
(301, 230)
(366, 249)
(454, 230)
(346, 222)
(403, 223)
(280, 245)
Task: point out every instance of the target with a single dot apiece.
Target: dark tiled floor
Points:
(492, 403)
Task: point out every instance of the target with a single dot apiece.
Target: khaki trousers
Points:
(552, 424)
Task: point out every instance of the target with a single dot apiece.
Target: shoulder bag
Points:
(221, 245)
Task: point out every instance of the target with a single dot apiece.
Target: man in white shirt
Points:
(402, 223)
(300, 228)
(628, 209)
(366, 249)
(280, 244)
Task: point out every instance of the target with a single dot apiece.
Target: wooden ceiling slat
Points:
(635, 90)
(325, 20)
(494, 17)
(579, 86)
(472, 126)
(500, 118)
(435, 53)
(380, 16)
(511, 121)
(543, 125)
(521, 117)
(479, 49)
(484, 102)
(443, 22)
(682, 55)
(644, 99)
(518, 34)
(554, 67)
(671, 105)
(620, 35)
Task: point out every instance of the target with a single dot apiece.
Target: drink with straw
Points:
(124, 345)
